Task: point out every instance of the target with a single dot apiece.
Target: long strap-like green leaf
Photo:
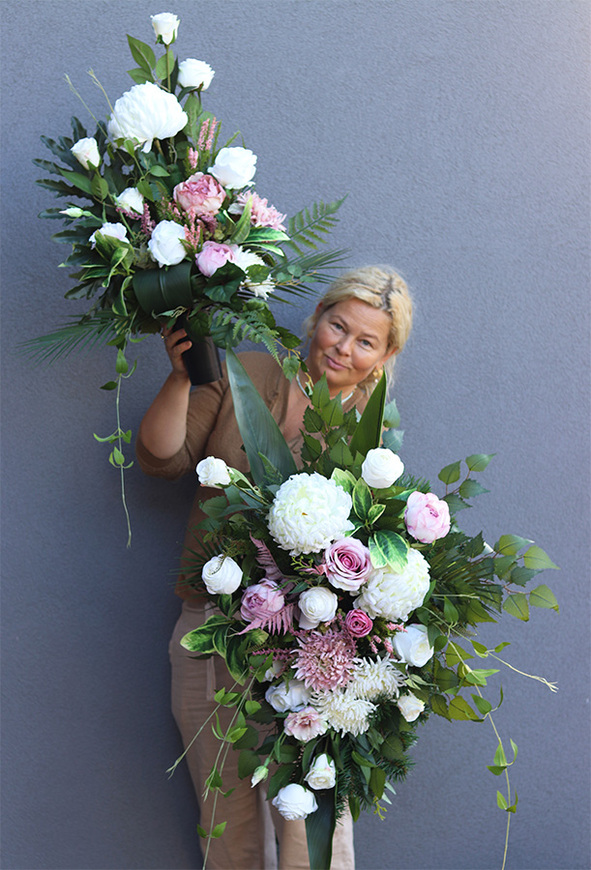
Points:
(369, 429)
(260, 433)
(320, 827)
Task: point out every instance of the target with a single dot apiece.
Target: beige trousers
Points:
(254, 828)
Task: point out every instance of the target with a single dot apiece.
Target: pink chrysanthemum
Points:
(325, 661)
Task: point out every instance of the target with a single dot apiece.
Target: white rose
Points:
(165, 244)
(322, 774)
(295, 802)
(412, 646)
(381, 468)
(213, 472)
(221, 575)
(195, 74)
(411, 707)
(146, 112)
(131, 201)
(86, 152)
(317, 605)
(293, 696)
(234, 167)
(115, 231)
(165, 26)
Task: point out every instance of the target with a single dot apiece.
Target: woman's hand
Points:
(176, 342)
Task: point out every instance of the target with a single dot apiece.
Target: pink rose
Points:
(347, 564)
(261, 601)
(358, 623)
(305, 724)
(426, 517)
(200, 193)
(212, 257)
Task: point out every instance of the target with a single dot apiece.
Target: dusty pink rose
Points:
(212, 256)
(426, 517)
(358, 623)
(261, 601)
(347, 564)
(200, 193)
(305, 724)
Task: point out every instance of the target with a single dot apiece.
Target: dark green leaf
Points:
(369, 429)
(450, 474)
(142, 54)
(478, 461)
(320, 827)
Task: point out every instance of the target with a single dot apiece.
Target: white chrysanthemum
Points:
(244, 259)
(375, 677)
(344, 712)
(395, 596)
(144, 113)
(309, 513)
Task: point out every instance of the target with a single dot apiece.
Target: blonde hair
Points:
(382, 288)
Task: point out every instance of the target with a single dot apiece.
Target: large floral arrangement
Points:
(347, 604)
(164, 222)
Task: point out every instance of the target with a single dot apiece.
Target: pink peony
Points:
(358, 623)
(347, 564)
(305, 724)
(261, 601)
(200, 193)
(212, 256)
(426, 517)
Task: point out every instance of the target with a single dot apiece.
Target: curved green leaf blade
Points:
(369, 429)
(320, 827)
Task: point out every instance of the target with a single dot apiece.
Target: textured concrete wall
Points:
(460, 131)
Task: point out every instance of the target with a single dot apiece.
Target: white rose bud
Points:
(131, 201)
(195, 74)
(213, 472)
(86, 153)
(410, 706)
(381, 468)
(165, 244)
(165, 26)
(221, 575)
(261, 773)
(234, 167)
(412, 646)
(295, 802)
(293, 696)
(322, 774)
(317, 605)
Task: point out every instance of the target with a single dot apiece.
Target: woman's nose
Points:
(344, 345)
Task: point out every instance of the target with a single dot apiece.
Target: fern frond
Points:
(84, 334)
(305, 227)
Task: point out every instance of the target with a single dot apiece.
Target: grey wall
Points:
(460, 131)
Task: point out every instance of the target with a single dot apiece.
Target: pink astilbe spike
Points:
(193, 158)
(147, 223)
(213, 125)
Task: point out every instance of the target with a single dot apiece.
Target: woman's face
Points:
(349, 342)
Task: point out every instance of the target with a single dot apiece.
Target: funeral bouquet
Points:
(347, 604)
(164, 223)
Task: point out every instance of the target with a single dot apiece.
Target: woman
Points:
(357, 329)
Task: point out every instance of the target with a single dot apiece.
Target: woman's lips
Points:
(333, 364)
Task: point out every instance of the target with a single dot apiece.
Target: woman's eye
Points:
(337, 326)
(366, 343)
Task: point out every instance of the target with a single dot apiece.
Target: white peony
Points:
(115, 231)
(195, 74)
(317, 605)
(221, 575)
(131, 201)
(412, 646)
(234, 167)
(213, 472)
(295, 802)
(322, 774)
(375, 677)
(291, 696)
(381, 467)
(395, 596)
(244, 259)
(86, 152)
(411, 707)
(309, 512)
(165, 26)
(165, 244)
(144, 113)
